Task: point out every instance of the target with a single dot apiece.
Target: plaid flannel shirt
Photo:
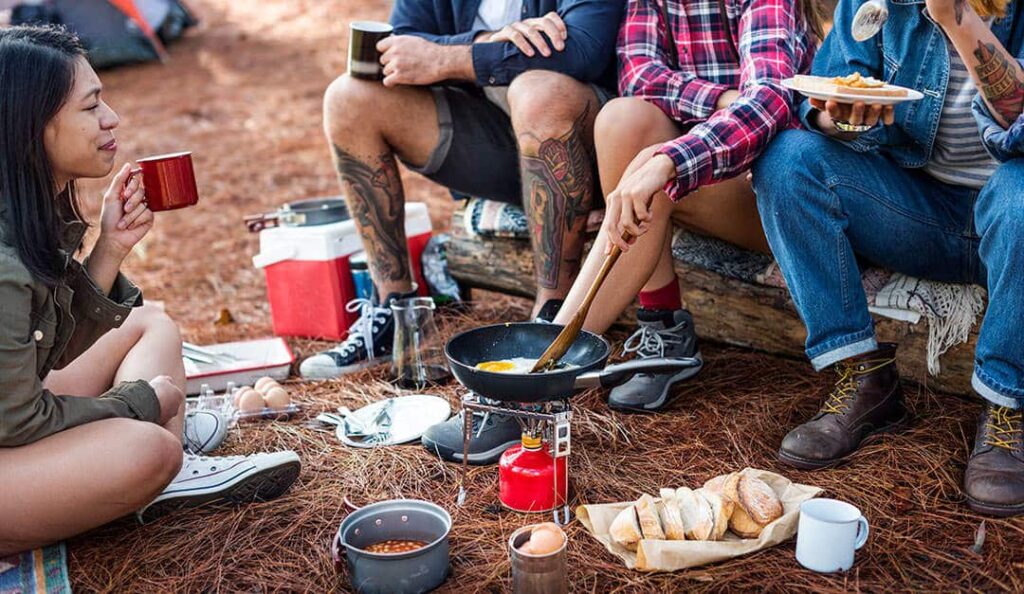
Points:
(774, 43)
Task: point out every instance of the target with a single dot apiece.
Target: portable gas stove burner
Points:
(549, 420)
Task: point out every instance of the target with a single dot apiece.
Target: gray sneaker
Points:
(205, 430)
(492, 435)
(661, 334)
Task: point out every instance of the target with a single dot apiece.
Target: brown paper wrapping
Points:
(672, 555)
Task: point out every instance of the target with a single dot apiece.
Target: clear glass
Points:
(417, 359)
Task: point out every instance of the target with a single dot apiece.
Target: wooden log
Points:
(724, 309)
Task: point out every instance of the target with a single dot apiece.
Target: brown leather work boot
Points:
(866, 400)
(994, 481)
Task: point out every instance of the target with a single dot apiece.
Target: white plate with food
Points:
(850, 89)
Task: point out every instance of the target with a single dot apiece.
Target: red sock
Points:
(666, 298)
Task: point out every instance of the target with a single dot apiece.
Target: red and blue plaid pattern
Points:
(774, 43)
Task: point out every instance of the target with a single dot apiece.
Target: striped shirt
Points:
(958, 156)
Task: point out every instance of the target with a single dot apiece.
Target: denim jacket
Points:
(44, 328)
(911, 51)
(589, 54)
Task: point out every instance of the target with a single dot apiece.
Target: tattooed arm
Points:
(996, 73)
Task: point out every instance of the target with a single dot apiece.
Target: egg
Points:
(277, 397)
(545, 540)
(264, 384)
(238, 394)
(516, 365)
(251, 401)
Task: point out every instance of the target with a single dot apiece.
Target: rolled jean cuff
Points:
(855, 344)
(992, 395)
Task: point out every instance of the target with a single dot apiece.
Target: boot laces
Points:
(1004, 427)
(648, 342)
(846, 386)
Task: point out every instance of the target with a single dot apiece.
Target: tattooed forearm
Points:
(558, 190)
(377, 204)
(1001, 84)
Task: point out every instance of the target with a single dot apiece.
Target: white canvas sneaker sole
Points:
(252, 478)
(319, 367)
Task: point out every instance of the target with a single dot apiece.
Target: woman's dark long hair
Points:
(37, 71)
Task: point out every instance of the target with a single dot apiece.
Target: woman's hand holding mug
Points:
(125, 218)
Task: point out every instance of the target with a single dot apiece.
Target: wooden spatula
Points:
(571, 330)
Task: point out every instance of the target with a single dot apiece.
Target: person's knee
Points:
(631, 121)
(541, 98)
(150, 319)
(350, 103)
(156, 457)
(1002, 199)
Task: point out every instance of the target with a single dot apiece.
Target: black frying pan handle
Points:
(618, 374)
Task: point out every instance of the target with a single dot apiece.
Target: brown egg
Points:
(544, 540)
(277, 397)
(251, 401)
(265, 383)
(238, 394)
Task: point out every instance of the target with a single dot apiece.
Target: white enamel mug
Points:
(829, 533)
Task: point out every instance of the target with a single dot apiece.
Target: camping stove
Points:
(544, 424)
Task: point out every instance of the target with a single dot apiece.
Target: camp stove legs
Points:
(556, 415)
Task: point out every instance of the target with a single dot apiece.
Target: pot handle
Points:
(257, 223)
(618, 374)
(336, 549)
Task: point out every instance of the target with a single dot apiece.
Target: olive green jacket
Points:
(44, 328)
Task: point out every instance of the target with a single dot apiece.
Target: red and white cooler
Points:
(309, 280)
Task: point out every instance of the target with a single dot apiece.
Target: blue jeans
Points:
(827, 208)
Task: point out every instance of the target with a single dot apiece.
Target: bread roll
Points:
(647, 512)
(625, 528)
(671, 519)
(757, 506)
(720, 508)
(698, 520)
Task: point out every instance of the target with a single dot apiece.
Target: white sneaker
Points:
(232, 479)
(205, 430)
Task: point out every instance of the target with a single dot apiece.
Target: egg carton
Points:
(268, 414)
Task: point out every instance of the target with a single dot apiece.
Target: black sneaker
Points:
(549, 310)
(492, 435)
(661, 334)
(369, 342)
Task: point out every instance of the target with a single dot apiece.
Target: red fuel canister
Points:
(526, 477)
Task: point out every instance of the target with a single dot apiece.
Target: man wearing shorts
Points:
(494, 99)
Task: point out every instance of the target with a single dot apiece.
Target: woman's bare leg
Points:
(82, 478)
(624, 128)
(148, 344)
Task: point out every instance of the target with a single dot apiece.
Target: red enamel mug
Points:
(170, 181)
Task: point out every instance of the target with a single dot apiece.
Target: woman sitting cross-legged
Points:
(702, 97)
(91, 402)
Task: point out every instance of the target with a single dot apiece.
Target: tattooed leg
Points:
(373, 191)
(558, 179)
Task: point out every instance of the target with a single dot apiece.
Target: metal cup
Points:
(363, 57)
(537, 574)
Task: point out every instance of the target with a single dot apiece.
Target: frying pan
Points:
(586, 358)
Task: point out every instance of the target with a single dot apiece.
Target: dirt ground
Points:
(243, 92)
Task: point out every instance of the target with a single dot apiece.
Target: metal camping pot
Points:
(537, 574)
(301, 213)
(417, 571)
